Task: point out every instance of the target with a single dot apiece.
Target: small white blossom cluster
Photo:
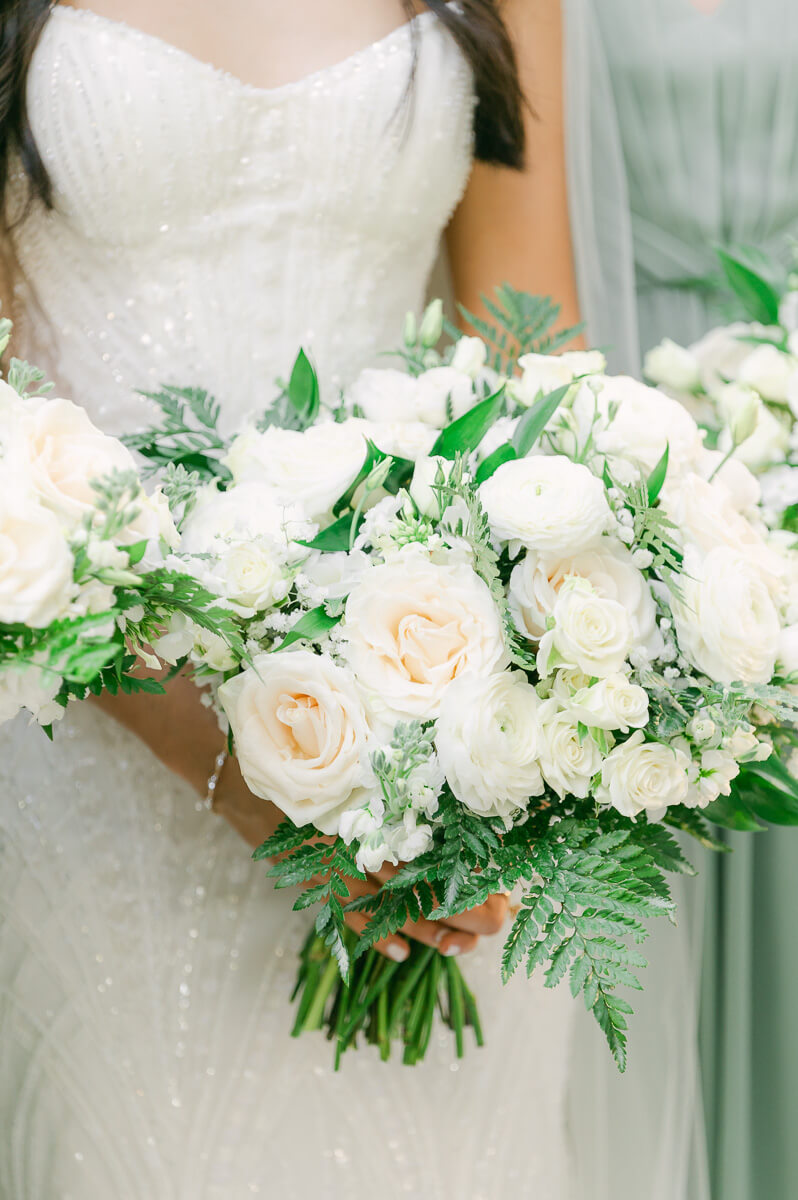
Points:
(75, 525)
(505, 628)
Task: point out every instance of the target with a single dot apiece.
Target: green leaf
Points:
(303, 389)
(312, 625)
(731, 813)
(759, 298)
(500, 455)
(536, 418)
(464, 435)
(336, 536)
(657, 477)
(136, 552)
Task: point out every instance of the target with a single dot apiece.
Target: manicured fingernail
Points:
(452, 949)
(440, 934)
(397, 951)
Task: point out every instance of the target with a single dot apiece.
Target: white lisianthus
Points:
(725, 618)
(252, 577)
(488, 742)
(612, 703)
(427, 471)
(673, 366)
(589, 632)
(33, 689)
(710, 778)
(384, 395)
(301, 735)
(584, 362)
(536, 581)
(640, 776)
(722, 351)
(647, 420)
(311, 469)
(443, 394)
(742, 486)
(470, 356)
(542, 373)
(412, 626)
(569, 761)
(546, 503)
(740, 409)
(36, 565)
(403, 439)
(787, 654)
(768, 370)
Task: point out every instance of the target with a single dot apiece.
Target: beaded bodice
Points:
(204, 229)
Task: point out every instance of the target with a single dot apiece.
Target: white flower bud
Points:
(431, 328)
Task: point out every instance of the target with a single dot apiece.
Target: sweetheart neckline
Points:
(161, 45)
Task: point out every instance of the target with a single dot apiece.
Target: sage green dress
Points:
(694, 141)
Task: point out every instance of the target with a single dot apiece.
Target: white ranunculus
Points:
(542, 373)
(443, 394)
(787, 654)
(311, 469)
(427, 471)
(66, 452)
(722, 351)
(613, 703)
(610, 569)
(647, 420)
(589, 632)
(36, 564)
(671, 365)
(768, 370)
(412, 626)
(546, 503)
(470, 356)
(33, 689)
(301, 735)
(568, 761)
(641, 776)
(725, 618)
(384, 395)
(488, 742)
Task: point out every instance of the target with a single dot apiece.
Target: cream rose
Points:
(66, 452)
(488, 742)
(311, 469)
(301, 735)
(646, 420)
(36, 564)
(536, 581)
(412, 626)
(590, 632)
(641, 776)
(568, 761)
(546, 503)
(613, 703)
(726, 622)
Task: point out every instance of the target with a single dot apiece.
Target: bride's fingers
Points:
(394, 947)
(488, 918)
(443, 936)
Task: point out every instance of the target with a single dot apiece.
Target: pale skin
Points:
(510, 226)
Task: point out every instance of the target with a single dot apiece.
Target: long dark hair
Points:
(476, 26)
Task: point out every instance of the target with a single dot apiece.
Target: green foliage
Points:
(310, 627)
(747, 276)
(27, 380)
(464, 435)
(535, 420)
(180, 487)
(656, 479)
(653, 530)
(518, 324)
(187, 434)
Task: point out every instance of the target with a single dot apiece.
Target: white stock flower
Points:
(536, 581)
(470, 356)
(711, 777)
(65, 453)
(612, 703)
(311, 469)
(725, 618)
(36, 564)
(640, 776)
(301, 735)
(589, 632)
(673, 366)
(411, 626)
(768, 370)
(568, 761)
(30, 688)
(647, 420)
(546, 503)
(488, 742)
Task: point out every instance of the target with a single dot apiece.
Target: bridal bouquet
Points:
(83, 585)
(508, 624)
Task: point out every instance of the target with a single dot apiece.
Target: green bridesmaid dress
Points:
(685, 137)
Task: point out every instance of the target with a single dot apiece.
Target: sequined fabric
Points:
(203, 230)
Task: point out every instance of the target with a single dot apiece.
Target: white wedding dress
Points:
(203, 230)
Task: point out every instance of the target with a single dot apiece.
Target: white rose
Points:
(610, 569)
(384, 395)
(470, 356)
(542, 373)
(311, 469)
(590, 632)
(33, 689)
(301, 735)
(641, 776)
(36, 564)
(787, 654)
(440, 392)
(66, 452)
(251, 576)
(768, 370)
(613, 703)
(568, 761)
(411, 626)
(721, 353)
(488, 742)
(672, 366)
(546, 503)
(725, 619)
(647, 420)
(426, 473)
